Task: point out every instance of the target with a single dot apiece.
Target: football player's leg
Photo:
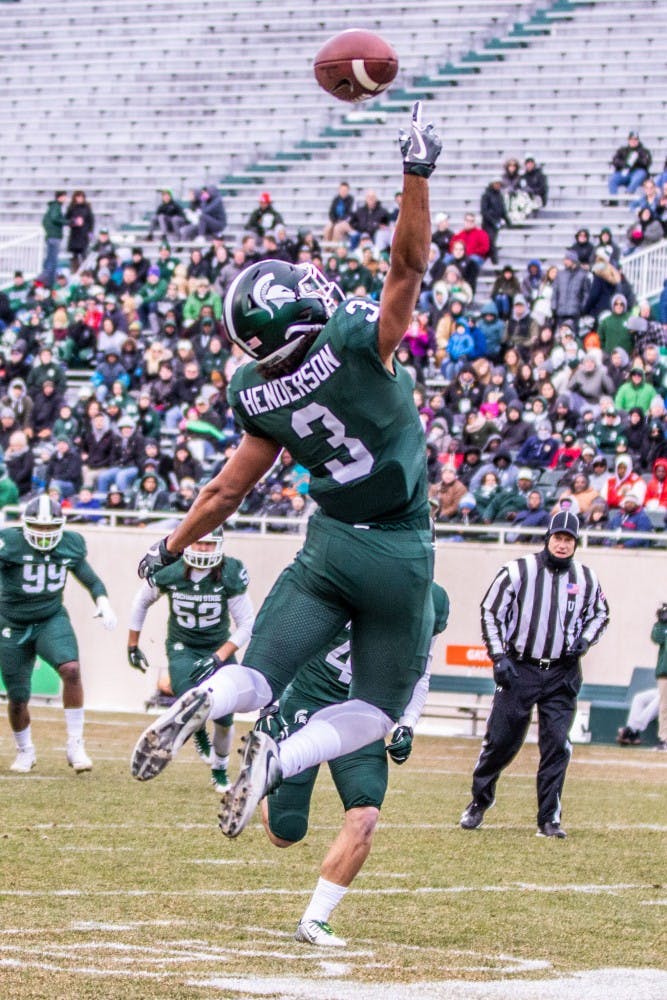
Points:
(285, 812)
(17, 660)
(361, 780)
(56, 643)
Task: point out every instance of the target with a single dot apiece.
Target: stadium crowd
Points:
(549, 389)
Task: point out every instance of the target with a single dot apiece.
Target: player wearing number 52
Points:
(204, 589)
(323, 383)
(34, 562)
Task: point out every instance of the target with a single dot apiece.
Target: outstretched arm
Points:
(420, 148)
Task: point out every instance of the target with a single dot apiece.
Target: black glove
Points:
(504, 670)
(400, 747)
(157, 556)
(205, 667)
(421, 146)
(137, 659)
(580, 646)
(271, 722)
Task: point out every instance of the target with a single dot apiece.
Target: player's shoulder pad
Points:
(440, 600)
(235, 577)
(71, 546)
(174, 573)
(12, 545)
(354, 325)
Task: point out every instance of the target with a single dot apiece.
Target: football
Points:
(355, 65)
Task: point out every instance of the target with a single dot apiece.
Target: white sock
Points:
(236, 688)
(332, 732)
(324, 900)
(218, 763)
(222, 739)
(74, 723)
(24, 739)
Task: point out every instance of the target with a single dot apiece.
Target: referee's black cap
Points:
(565, 521)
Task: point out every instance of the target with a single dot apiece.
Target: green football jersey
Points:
(198, 611)
(348, 420)
(326, 678)
(32, 582)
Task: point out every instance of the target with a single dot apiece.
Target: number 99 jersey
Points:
(32, 582)
(347, 419)
(198, 612)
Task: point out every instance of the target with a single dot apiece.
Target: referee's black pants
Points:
(554, 691)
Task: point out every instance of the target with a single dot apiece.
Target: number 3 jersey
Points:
(347, 419)
(198, 604)
(32, 582)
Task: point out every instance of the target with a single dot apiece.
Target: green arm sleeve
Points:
(88, 578)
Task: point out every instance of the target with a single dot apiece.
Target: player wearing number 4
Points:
(34, 562)
(323, 383)
(203, 589)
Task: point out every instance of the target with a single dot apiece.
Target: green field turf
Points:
(111, 888)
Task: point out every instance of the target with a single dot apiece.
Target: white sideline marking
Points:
(651, 827)
(593, 889)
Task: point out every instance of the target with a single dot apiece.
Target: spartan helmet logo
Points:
(270, 295)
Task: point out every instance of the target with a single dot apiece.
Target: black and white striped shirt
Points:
(540, 613)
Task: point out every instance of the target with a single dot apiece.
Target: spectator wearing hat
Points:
(538, 450)
(510, 499)
(567, 452)
(53, 224)
(493, 329)
(129, 456)
(81, 221)
(654, 445)
(612, 329)
(533, 515)
(207, 213)
(629, 519)
(151, 294)
(583, 247)
(162, 388)
(590, 379)
(184, 465)
(20, 462)
(520, 327)
(599, 475)
(265, 217)
(623, 480)
(169, 217)
(203, 295)
(656, 488)
(64, 467)
(515, 429)
(504, 289)
(19, 402)
(370, 217)
(447, 493)
(607, 430)
(494, 214)
(631, 164)
(108, 371)
(569, 290)
(534, 182)
(635, 392)
(443, 233)
(341, 207)
(46, 368)
(46, 404)
(605, 283)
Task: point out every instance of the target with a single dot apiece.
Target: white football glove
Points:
(106, 613)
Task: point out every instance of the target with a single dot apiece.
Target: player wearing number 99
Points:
(323, 383)
(34, 562)
(203, 588)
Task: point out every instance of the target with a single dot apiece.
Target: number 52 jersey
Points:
(32, 582)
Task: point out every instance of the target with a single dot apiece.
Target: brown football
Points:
(355, 65)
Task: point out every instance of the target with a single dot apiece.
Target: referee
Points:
(539, 616)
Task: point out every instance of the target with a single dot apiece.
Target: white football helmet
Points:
(43, 523)
(207, 558)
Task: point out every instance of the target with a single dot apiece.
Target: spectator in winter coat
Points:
(534, 515)
(581, 491)
(20, 462)
(505, 287)
(569, 291)
(494, 215)
(53, 223)
(654, 445)
(606, 279)
(371, 217)
(492, 328)
(515, 431)
(99, 448)
(531, 283)
(19, 402)
(590, 380)
(618, 367)
(46, 404)
(460, 349)
(631, 164)
(583, 247)
(64, 467)
(46, 368)
(628, 520)
(656, 488)
(211, 217)
(635, 392)
(612, 329)
(169, 217)
(340, 210)
(475, 239)
(128, 459)
(533, 180)
(538, 449)
(81, 222)
(448, 494)
(624, 480)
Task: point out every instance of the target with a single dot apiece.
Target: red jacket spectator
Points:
(656, 490)
(623, 481)
(475, 240)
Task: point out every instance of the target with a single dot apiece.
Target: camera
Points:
(662, 613)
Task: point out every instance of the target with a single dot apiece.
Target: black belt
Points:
(543, 663)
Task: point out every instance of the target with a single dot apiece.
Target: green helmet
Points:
(272, 306)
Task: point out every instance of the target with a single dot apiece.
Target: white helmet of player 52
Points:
(207, 558)
(43, 523)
